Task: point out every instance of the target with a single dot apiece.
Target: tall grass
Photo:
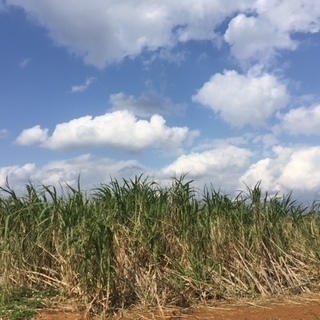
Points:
(134, 242)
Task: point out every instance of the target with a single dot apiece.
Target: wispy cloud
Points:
(3, 133)
(83, 87)
(146, 105)
(2, 6)
(24, 62)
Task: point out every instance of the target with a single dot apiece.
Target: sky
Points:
(224, 91)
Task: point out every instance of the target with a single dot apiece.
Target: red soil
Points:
(298, 308)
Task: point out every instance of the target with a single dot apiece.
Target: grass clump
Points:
(135, 242)
(21, 303)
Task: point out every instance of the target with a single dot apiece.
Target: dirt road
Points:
(297, 308)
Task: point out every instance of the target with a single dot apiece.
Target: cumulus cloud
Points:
(18, 173)
(302, 121)
(103, 32)
(243, 99)
(83, 87)
(269, 28)
(256, 38)
(92, 171)
(199, 164)
(146, 105)
(291, 16)
(31, 136)
(290, 169)
(118, 129)
(221, 166)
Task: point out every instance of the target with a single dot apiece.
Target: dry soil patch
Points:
(299, 308)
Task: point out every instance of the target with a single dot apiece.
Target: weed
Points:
(21, 303)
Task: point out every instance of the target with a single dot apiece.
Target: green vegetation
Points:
(21, 303)
(135, 242)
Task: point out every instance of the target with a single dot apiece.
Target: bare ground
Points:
(304, 307)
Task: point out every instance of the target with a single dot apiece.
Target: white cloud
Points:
(221, 166)
(104, 31)
(243, 99)
(291, 16)
(82, 87)
(267, 141)
(18, 174)
(34, 135)
(259, 36)
(118, 129)
(256, 38)
(290, 169)
(302, 121)
(146, 105)
(107, 31)
(92, 171)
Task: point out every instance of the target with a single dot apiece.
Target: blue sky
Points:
(225, 91)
